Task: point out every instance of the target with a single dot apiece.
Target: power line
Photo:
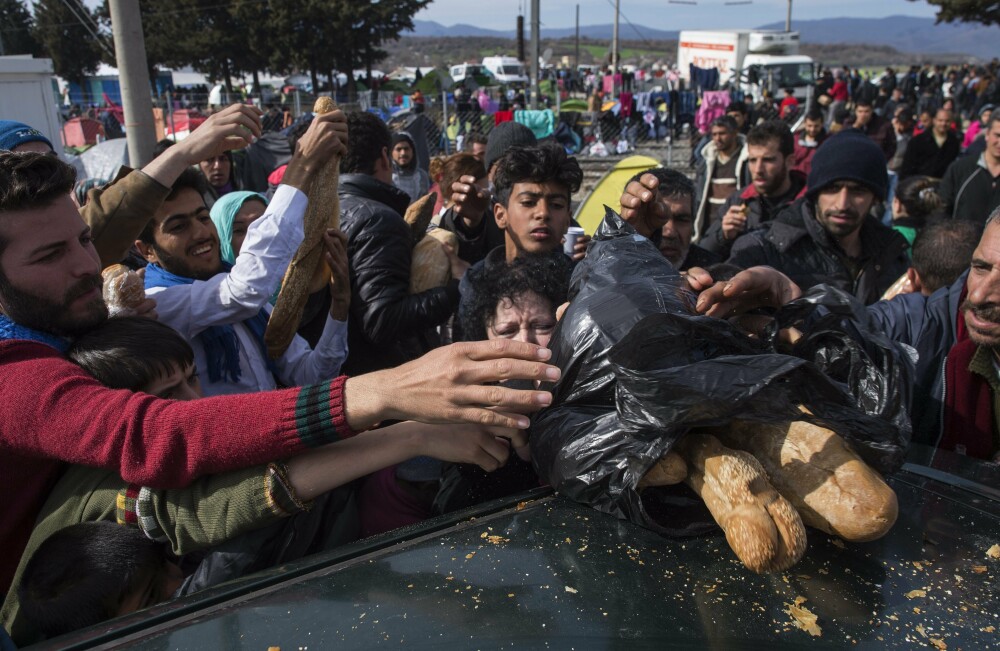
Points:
(634, 28)
(100, 41)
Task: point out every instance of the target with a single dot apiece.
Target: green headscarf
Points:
(223, 213)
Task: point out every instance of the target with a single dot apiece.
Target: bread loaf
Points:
(761, 526)
(830, 486)
(430, 266)
(669, 470)
(323, 212)
(123, 290)
(419, 216)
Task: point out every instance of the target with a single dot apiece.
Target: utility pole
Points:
(133, 74)
(536, 42)
(788, 17)
(614, 44)
(576, 57)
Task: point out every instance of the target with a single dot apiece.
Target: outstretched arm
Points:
(118, 212)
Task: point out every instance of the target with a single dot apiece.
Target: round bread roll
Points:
(123, 289)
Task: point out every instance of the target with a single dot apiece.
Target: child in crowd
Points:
(915, 203)
(92, 571)
(233, 510)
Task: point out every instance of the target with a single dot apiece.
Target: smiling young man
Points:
(828, 236)
(221, 309)
(774, 185)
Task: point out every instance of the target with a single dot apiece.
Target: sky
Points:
(707, 14)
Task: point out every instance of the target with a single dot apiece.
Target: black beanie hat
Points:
(849, 156)
(504, 136)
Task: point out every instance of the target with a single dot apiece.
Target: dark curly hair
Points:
(536, 164)
(367, 136)
(30, 180)
(546, 275)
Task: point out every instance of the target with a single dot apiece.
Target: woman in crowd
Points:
(232, 215)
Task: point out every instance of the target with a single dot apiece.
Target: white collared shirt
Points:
(231, 298)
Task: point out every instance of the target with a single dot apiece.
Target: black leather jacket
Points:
(387, 324)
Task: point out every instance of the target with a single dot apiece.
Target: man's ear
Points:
(146, 251)
(500, 215)
(915, 281)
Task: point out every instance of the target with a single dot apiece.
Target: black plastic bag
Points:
(640, 369)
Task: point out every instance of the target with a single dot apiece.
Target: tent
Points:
(103, 160)
(608, 190)
(181, 123)
(80, 132)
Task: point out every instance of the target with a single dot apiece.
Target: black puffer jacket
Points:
(760, 211)
(797, 245)
(387, 325)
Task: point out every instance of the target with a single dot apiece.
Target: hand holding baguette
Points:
(322, 213)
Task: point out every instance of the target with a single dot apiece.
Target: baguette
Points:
(814, 469)
(669, 470)
(761, 526)
(323, 212)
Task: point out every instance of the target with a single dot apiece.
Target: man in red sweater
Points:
(51, 411)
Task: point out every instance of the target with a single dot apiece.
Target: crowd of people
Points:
(149, 444)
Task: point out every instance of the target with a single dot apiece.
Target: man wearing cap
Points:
(970, 188)
(829, 236)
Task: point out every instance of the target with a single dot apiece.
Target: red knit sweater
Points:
(51, 411)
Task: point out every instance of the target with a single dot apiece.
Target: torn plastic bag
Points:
(640, 369)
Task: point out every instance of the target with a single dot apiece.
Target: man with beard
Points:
(955, 332)
(807, 141)
(406, 173)
(676, 191)
(722, 171)
(221, 309)
(53, 412)
(774, 185)
(829, 236)
(875, 127)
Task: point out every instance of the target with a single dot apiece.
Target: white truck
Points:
(506, 70)
(751, 60)
(27, 95)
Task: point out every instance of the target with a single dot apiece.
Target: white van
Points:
(506, 70)
(464, 71)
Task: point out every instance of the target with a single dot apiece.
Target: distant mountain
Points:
(429, 28)
(905, 33)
